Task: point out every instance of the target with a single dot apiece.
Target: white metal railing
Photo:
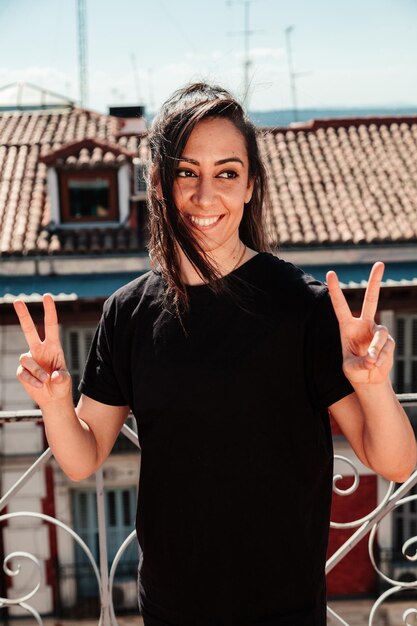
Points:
(368, 524)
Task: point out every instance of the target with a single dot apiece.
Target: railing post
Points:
(105, 599)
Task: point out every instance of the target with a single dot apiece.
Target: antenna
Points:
(82, 51)
(288, 32)
(246, 32)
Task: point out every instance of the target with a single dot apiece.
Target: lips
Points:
(205, 222)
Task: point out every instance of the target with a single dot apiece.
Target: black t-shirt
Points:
(236, 469)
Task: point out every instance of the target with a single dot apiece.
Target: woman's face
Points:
(212, 183)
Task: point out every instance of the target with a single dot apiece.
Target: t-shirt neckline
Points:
(241, 268)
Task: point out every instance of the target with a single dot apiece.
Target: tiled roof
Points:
(332, 182)
(29, 138)
(88, 153)
(343, 181)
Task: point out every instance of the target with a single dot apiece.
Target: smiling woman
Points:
(230, 359)
(211, 193)
(207, 189)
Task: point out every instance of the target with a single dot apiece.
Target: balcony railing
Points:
(105, 575)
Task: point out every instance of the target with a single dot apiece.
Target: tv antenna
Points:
(246, 32)
(293, 75)
(82, 51)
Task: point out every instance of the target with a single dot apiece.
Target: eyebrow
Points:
(220, 162)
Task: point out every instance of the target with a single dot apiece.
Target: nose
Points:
(204, 192)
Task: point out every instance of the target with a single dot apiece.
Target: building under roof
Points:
(343, 194)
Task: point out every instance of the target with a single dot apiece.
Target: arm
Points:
(378, 430)
(372, 419)
(80, 438)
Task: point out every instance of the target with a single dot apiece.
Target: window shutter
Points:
(78, 342)
(406, 354)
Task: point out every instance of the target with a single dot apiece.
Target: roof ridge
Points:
(89, 143)
(343, 122)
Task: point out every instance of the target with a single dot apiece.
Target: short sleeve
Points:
(99, 380)
(326, 379)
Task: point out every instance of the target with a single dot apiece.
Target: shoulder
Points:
(147, 287)
(286, 280)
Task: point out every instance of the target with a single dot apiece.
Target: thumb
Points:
(60, 376)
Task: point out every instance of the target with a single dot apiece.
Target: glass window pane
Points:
(399, 533)
(399, 377)
(83, 510)
(88, 338)
(74, 351)
(89, 197)
(111, 508)
(413, 387)
(400, 336)
(414, 337)
(127, 520)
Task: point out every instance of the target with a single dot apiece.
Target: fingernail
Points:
(43, 376)
(372, 353)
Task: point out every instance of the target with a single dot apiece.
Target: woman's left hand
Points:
(367, 347)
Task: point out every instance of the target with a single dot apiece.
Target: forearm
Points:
(71, 440)
(388, 438)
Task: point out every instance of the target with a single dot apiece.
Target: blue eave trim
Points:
(356, 273)
(83, 285)
(88, 286)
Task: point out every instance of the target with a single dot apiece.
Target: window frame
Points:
(76, 372)
(64, 176)
(408, 357)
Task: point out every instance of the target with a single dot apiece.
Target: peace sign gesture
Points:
(367, 347)
(43, 371)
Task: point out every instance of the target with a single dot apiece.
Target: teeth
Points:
(204, 221)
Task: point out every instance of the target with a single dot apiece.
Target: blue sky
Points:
(349, 53)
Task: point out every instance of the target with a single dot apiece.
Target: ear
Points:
(249, 191)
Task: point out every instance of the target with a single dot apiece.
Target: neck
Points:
(224, 261)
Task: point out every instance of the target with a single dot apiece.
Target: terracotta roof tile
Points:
(353, 182)
(24, 203)
(331, 182)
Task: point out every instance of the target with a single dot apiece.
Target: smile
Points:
(205, 221)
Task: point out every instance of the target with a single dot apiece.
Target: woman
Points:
(230, 359)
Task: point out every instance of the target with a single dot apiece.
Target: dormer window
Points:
(89, 183)
(88, 196)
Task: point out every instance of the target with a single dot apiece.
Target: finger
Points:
(341, 307)
(29, 364)
(370, 301)
(359, 363)
(26, 324)
(378, 342)
(387, 351)
(26, 378)
(51, 318)
(60, 376)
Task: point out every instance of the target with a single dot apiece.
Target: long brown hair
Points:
(169, 134)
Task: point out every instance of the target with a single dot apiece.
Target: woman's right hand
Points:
(43, 371)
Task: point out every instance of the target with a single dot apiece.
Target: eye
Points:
(230, 174)
(184, 173)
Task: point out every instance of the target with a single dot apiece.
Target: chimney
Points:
(132, 121)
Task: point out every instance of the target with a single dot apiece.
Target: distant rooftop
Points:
(285, 117)
(21, 96)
